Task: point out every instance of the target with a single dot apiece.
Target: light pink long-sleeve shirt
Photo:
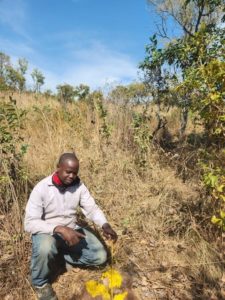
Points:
(47, 207)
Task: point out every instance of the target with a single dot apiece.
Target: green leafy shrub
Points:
(12, 150)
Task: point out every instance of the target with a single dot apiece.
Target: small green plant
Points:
(215, 181)
(105, 129)
(141, 137)
(10, 123)
(12, 149)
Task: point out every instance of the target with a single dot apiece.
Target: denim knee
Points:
(44, 245)
(88, 252)
(44, 251)
(97, 254)
(101, 256)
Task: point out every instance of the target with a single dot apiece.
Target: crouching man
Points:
(51, 219)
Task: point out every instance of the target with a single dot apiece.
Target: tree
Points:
(14, 79)
(81, 91)
(48, 93)
(204, 81)
(66, 93)
(23, 65)
(157, 79)
(22, 69)
(188, 14)
(4, 63)
(38, 79)
(133, 93)
(10, 76)
(199, 58)
(197, 19)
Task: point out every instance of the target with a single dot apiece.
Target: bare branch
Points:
(200, 14)
(162, 29)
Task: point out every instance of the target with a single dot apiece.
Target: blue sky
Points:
(95, 42)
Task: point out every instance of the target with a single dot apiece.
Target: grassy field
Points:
(164, 237)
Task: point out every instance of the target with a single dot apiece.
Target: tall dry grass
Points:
(160, 244)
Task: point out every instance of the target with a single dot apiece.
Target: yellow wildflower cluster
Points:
(111, 279)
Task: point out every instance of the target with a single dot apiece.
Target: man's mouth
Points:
(69, 180)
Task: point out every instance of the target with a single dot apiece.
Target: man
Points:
(51, 219)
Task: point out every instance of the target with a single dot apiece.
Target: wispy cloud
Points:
(84, 57)
(17, 49)
(109, 69)
(95, 66)
(13, 15)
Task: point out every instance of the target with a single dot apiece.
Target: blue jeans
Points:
(48, 249)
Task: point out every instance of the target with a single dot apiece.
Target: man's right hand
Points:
(71, 237)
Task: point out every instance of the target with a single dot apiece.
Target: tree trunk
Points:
(183, 121)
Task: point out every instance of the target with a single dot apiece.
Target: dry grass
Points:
(160, 246)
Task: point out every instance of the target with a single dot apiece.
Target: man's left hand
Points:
(109, 233)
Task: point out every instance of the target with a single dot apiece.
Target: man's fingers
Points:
(111, 236)
(81, 235)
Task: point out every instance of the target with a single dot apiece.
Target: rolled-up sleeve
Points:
(90, 208)
(33, 221)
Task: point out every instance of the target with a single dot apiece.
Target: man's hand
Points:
(109, 233)
(71, 237)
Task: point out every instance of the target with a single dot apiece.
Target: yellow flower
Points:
(120, 296)
(114, 278)
(215, 96)
(97, 289)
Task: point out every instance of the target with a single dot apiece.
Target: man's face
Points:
(68, 171)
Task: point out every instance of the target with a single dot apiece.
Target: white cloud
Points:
(94, 66)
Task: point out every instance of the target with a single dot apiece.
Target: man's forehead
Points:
(69, 163)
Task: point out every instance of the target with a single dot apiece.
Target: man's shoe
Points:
(45, 292)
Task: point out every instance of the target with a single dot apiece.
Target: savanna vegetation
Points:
(152, 153)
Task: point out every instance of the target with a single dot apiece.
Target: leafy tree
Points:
(204, 81)
(66, 93)
(23, 65)
(4, 63)
(188, 14)
(133, 93)
(48, 93)
(22, 69)
(198, 59)
(157, 79)
(197, 19)
(81, 91)
(10, 77)
(38, 79)
(14, 79)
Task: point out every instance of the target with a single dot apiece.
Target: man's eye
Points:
(67, 172)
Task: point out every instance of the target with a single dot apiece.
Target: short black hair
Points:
(67, 156)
